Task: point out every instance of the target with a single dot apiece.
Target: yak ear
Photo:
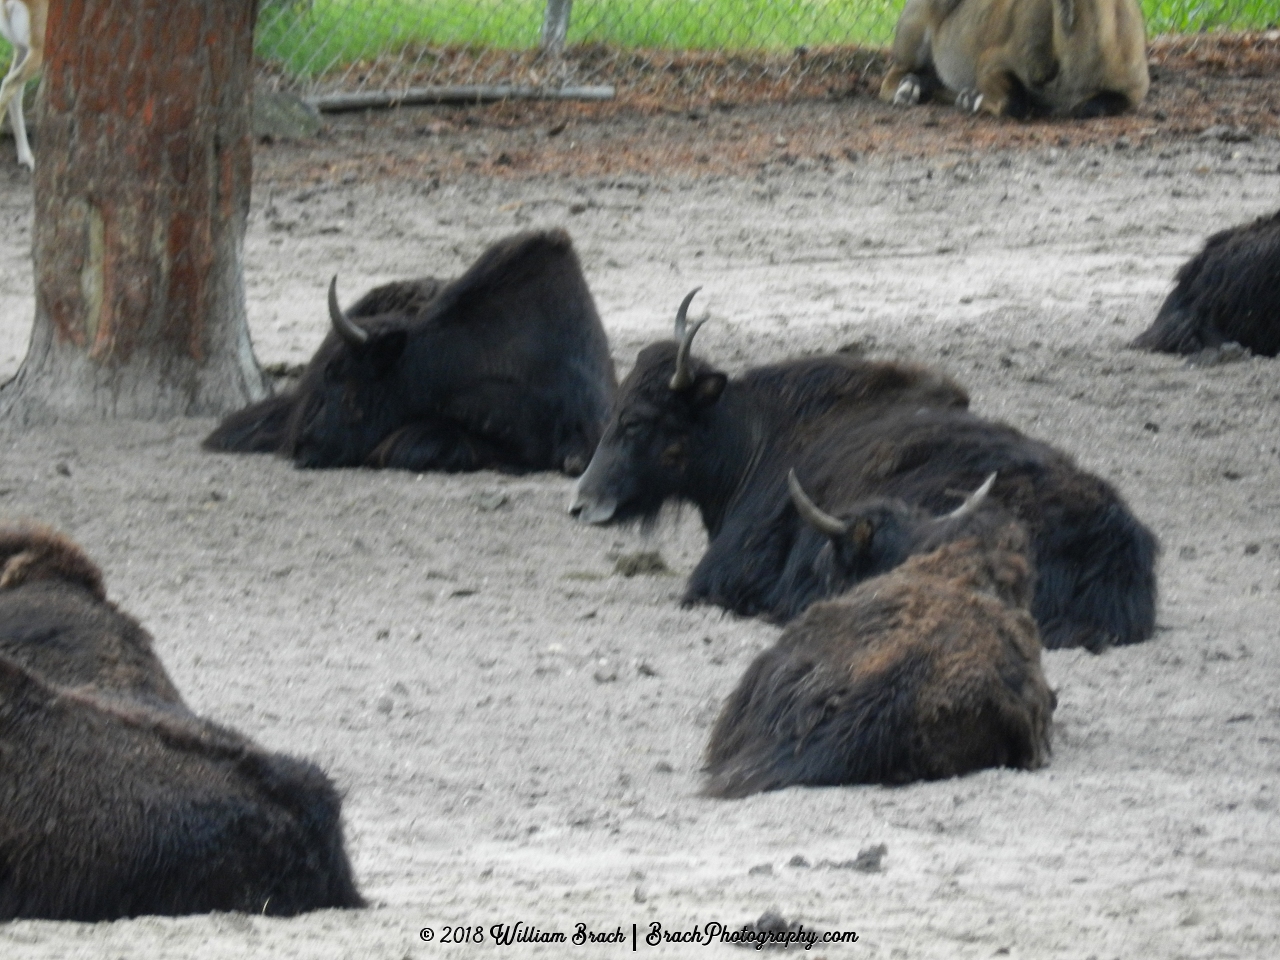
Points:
(863, 533)
(385, 348)
(707, 388)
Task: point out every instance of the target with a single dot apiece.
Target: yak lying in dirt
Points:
(116, 800)
(506, 367)
(1082, 58)
(926, 672)
(854, 429)
(1229, 292)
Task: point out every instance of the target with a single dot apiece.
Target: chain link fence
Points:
(666, 49)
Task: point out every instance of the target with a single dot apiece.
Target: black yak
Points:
(506, 367)
(929, 671)
(115, 799)
(1227, 293)
(854, 429)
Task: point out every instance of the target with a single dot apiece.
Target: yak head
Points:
(661, 418)
(351, 397)
(879, 533)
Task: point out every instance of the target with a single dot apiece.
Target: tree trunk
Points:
(142, 184)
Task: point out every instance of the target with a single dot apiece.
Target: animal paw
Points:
(970, 101)
(908, 92)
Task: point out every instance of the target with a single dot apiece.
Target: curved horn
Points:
(684, 312)
(974, 500)
(355, 335)
(682, 379)
(808, 510)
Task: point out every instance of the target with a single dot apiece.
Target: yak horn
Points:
(355, 335)
(822, 522)
(974, 500)
(682, 379)
(684, 312)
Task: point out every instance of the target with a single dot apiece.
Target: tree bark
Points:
(142, 183)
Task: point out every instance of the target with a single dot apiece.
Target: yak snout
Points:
(588, 509)
(591, 501)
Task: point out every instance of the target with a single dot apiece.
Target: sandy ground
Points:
(517, 729)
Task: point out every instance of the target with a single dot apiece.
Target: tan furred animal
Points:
(22, 23)
(1081, 58)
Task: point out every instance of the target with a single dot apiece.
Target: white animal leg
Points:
(19, 124)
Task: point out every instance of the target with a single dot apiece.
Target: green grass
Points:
(310, 36)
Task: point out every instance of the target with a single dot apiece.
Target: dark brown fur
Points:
(55, 620)
(115, 800)
(1227, 293)
(929, 671)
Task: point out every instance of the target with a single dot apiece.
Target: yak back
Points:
(522, 312)
(813, 391)
(929, 671)
(1229, 291)
(114, 809)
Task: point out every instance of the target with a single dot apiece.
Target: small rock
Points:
(663, 767)
(761, 870)
(647, 563)
(798, 861)
(487, 501)
(62, 470)
(1251, 548)
(385, 704)
(1187, 553)
(605, 674)
(868, 860)
(283, 116)
(645, 670)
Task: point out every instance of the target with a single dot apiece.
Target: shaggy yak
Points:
(506, 367)
(116, 800)
(1229, 292)
(1081, 58)
(929, 671)
(854, 429)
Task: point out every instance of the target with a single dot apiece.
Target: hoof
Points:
(970, 101)
(908, 92)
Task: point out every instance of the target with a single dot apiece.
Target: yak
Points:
(852, 429)
(1228, 292)
(115, 799)
(506, 367)
(929, 671)
(1020, 58)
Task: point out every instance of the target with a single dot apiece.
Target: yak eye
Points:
(633, 428)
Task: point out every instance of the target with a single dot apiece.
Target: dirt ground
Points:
(517, 728)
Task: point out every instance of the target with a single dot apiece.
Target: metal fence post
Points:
(555, 25)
